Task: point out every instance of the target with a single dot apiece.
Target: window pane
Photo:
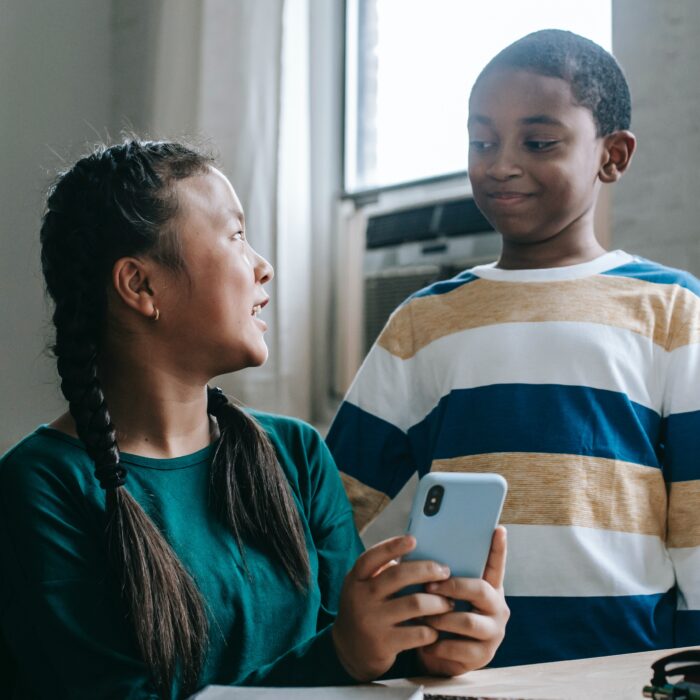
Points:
(411, 65)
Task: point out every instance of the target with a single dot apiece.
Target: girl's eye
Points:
(481, 145)
(238, 236)
(541, 145)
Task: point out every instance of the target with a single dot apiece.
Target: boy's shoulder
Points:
(645, 270)
(445, 286)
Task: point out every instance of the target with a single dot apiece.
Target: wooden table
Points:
(604, 678)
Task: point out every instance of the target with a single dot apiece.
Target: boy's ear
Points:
(618, 149)
(130, 279)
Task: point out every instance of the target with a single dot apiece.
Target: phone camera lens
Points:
(433, 500)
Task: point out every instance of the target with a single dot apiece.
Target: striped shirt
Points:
(581, 386)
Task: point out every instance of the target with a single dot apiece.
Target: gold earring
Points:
(156, 314)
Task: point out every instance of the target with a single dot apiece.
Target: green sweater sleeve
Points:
(320, 494)
(337, 543)
(62, 618)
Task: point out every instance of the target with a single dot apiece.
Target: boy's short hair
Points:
(596, 79)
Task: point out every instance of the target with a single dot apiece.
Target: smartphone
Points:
(453, 518)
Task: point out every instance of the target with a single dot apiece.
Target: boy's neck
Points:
(549, 253)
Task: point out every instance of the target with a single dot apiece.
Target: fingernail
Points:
(431, 587)
(445, 571)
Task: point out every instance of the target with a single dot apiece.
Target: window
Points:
(410, 65)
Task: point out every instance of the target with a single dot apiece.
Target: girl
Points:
(157, 538)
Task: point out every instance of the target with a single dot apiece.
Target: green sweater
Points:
(61, 617)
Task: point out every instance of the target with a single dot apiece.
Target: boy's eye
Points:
(481, 145)
(536, 145)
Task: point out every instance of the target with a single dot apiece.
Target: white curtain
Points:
(253, 103)
(237, 73)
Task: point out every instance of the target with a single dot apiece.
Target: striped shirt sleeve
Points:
(368, 437)
(681, 457)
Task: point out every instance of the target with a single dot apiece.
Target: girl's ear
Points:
(130, 278)
(618, 149)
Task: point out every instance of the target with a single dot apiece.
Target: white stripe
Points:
(383, 386)
(683, 380)
(605, 262)
(545, 560)
(403, 392)
(686, 560)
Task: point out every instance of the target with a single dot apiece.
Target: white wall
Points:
(656, 206)
(55, 92)
(80, 70)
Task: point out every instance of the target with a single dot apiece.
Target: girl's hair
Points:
(121, 201)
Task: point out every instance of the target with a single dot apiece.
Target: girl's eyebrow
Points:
(237, 214)
(479, 119)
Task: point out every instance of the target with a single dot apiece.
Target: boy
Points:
(572, 371)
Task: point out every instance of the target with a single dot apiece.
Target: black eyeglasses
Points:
(684, 664)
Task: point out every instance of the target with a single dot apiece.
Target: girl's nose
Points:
(264, 271)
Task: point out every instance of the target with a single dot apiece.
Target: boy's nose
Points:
(504, 165)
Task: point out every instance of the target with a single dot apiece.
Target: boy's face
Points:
(534, 156)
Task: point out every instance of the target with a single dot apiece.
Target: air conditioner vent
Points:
(461, 217)
(400, 227)
(451, 218)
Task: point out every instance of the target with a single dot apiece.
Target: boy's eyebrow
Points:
(527, 121)
(540, 119)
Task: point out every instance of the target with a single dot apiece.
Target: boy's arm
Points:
(368, 437)
(681, 443)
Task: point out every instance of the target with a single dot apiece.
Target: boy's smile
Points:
(534, 159)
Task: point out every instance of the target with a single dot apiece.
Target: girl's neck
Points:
(156, 415)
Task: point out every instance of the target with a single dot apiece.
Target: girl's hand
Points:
(368, 632)
(482, 629)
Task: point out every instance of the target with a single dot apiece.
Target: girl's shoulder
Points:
(47, 457)
(292, 432)
(302, 454)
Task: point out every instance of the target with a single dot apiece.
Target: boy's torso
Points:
(562, 386)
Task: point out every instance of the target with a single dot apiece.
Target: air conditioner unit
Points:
(392, 247)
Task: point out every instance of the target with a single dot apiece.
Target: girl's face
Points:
(211, 310)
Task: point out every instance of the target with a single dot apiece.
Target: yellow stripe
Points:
(683, 511)
(556, 489)
(366, 502)
(607, 300)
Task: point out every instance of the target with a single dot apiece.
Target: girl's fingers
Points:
(442, 667)
(394, 579)
(462, 655)
(465, 624)
(384, 567)
(409, 607)
(478, 592)
(380, 555)
(496, 563)
(413, 636)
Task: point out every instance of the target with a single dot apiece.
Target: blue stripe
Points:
(687, 628)
(546, 418)
(649, 271)
(370, 449)
(554, 629)
(681, 438)
(444, 286)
